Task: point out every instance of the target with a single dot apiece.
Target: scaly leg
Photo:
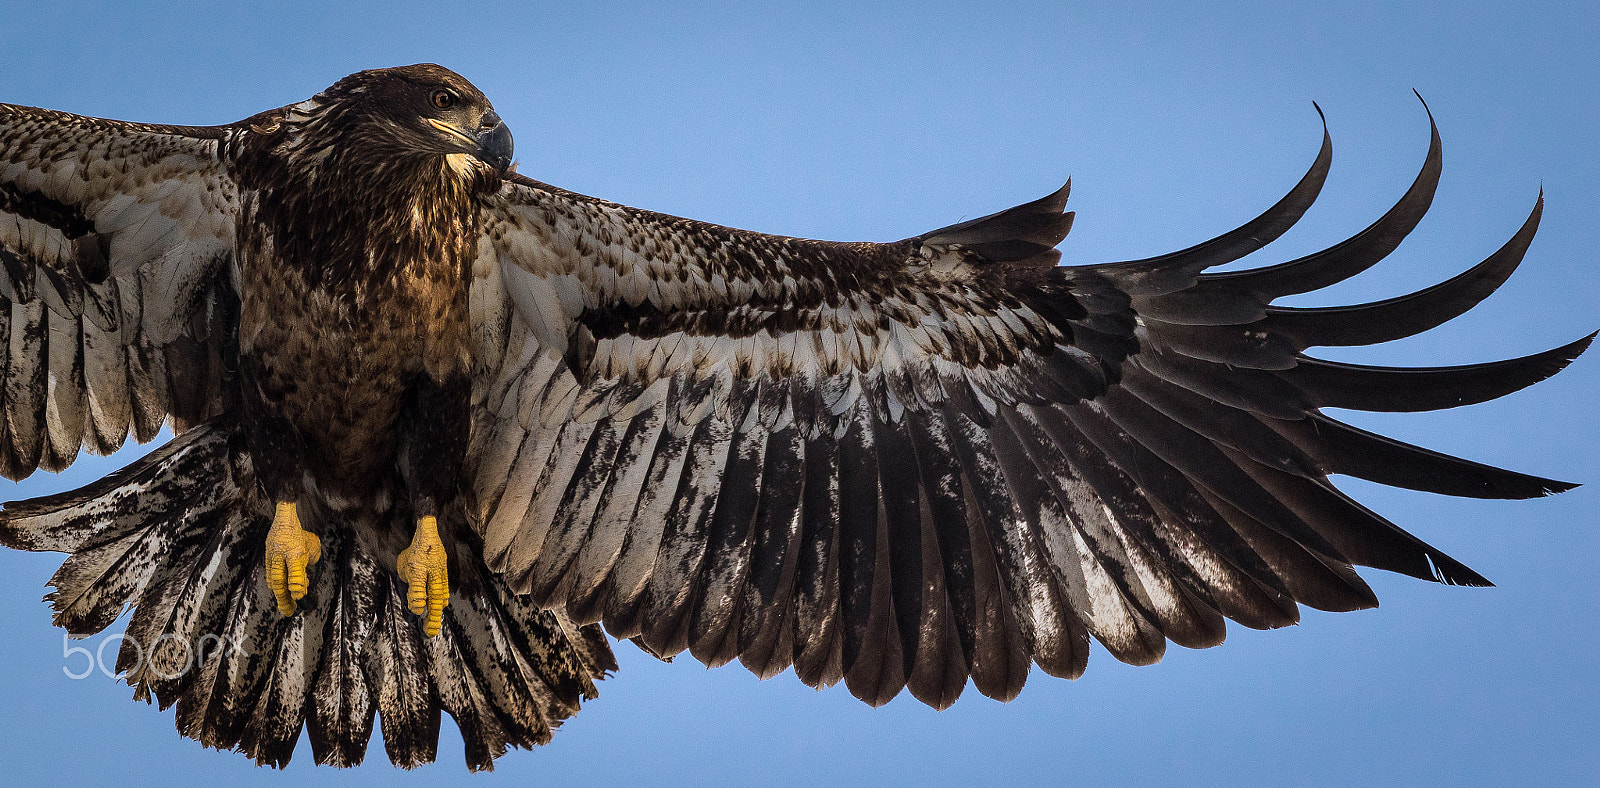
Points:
(423, 567)
(290, 549)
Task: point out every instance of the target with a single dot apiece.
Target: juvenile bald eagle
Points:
(435, 420)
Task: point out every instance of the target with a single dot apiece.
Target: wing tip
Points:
(1451, 572)
(1556, 487)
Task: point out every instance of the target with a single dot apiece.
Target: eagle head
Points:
(426, 109)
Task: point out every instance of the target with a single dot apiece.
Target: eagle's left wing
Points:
(114, 303)
(903, 464)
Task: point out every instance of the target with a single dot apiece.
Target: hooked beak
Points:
(494, 143)
(491, 143)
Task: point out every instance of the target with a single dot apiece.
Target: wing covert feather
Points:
(115, 239)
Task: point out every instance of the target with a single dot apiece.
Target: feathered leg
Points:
(277, 448)
(434, 444)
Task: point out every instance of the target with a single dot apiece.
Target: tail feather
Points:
(216, 706)
(398, 675)
(177, 608)
(121, 503)
(179, 537)
(342, 711)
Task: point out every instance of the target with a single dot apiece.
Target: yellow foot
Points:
(290, 549)
(423, 567)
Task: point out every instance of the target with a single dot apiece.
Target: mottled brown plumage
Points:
(902, 466)
(296, 284)
(354, 250)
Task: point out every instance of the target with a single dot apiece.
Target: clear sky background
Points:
(1177, 122)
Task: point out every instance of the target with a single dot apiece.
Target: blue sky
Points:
(1177, 122)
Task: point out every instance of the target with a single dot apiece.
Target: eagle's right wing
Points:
(114, 303)
(901, 465)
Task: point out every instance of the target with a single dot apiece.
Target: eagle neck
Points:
(352, 219)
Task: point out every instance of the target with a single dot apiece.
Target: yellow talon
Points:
(290, 549)
(423, 567)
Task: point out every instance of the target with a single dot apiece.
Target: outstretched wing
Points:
(113, 306)
(901, 465)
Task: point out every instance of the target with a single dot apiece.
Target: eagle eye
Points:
(443, 99)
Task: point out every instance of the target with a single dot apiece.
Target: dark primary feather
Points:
(1165, 274)
(908, 465)
(1394, 318)
(1028, 232)
(1351, 256)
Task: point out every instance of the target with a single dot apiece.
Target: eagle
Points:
(438, 428)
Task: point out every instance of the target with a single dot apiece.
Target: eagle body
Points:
(438, 423)
(354, 264)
